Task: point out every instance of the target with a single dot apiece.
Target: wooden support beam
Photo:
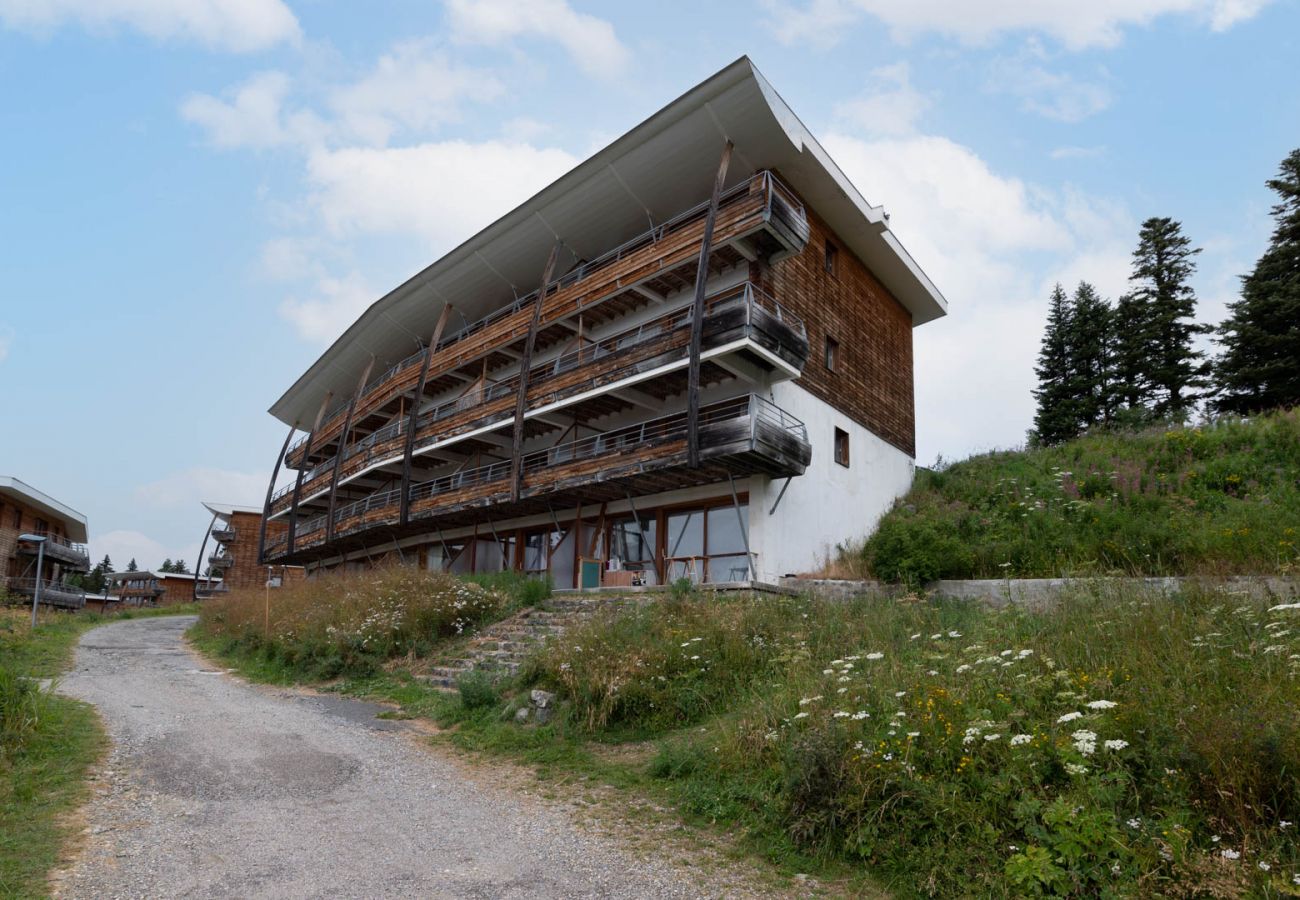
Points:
(297, 487)
(647, 293)
(270, 490)
(413, 423)
(343, 446)
(697, 316)
(521, 402)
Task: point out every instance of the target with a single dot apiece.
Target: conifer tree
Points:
(1056, 417)
(166, 565)
(1130, 394)
(1090, 357)
(180, 568)
(1260, 365)
(1173, 373)
(131, 566)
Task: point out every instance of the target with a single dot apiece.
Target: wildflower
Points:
(1214, 839)
(963, 668)
(899, 693)
(992, 737)
(1134, 823)
(802, 715)
(915, 636)
(1115, 745)
(1102, 704)
(875, 656)
(771, 735)
(1023, 653)
(841, 690)
(806, 700)
(1284, 825)
(913, 734)
(860, 715)
(1019, 739)
(1284, 606)
(841, 714)
(936, 672)
(1229, 853)
(1069, 717)
(1075, 768)
(1006, 653)
(1013, 848)
(695, 657)
(1114, 868)
(1085, 742)
(888, 756)
(935, 637)
(1263, 865)
(954, 634)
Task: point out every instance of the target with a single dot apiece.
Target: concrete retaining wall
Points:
(1042, 593)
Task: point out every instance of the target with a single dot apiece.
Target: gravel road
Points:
(217, 788)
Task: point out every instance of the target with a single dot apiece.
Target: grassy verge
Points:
(47, 744)
(1222, 499)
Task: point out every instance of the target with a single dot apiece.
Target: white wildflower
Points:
(992, 737)
(875, 656)
(1229, 853)
(1019, 739)
(1134, 823)
(1069, 717)
(802, 715)
(1115, 745)
(1076, 769)
(1102, 704)
(860, 715)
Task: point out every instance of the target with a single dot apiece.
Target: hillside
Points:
(1218, 499)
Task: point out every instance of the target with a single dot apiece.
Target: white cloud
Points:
(123, 545)
(187, 488)
(589, 40)
(334, 304)
(1055, 95)
(409, 189)
(254, 115)
(889, 106)
(1075, 24)
(413, 87)
(993, 244)
(238, 25)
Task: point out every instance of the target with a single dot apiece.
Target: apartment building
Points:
(26, 511)
(691, 356)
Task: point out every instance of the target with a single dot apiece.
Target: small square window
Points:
(832, 353)
(842, 447)
(832, 252)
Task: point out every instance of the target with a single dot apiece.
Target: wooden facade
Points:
(23, 512)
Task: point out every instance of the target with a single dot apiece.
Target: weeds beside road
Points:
(47, 743)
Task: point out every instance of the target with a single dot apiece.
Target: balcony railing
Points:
(60, 549)
(203, 589)
(221, 561)
(740, 311)
(751, 429)
(53, 593)
(779, 206)
(223, 535)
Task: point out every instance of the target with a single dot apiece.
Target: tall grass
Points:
(1118, 745)
(1219, 499)
(349, 624)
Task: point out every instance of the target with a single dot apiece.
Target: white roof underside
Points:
(226, 510)
(74, 523)
(659, 168)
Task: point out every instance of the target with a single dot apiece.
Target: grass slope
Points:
(1220, 499)
(47, 744)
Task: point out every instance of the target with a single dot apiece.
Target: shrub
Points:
(478, 690)
(339, 624)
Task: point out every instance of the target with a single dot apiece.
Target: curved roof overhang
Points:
(660, 167)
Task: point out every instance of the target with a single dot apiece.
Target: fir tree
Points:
(1055, 420)
(106, 565)
(1260, 365)
(1172, 372)
(1130, 392)
(131, 566)
(1090, 357)
(180, 568)
(166, 565)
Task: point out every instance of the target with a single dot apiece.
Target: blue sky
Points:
(197, 196)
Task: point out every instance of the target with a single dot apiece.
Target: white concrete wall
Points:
(828, 504)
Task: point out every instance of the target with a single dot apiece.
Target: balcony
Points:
(147, 591)
(60, 550)
(223, 535)
(53, 593)
(221, 561)
(745, 436)
(760, 210)
(213, 589)
(743, 313)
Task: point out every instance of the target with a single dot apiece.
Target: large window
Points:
(632, 543)
(708, 545)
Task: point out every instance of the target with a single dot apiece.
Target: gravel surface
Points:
(216, 788)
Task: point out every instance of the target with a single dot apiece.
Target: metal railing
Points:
(59, 545)
(746, 296)
(770, 185)
(48, 588)
(224, 535)
(221, 560)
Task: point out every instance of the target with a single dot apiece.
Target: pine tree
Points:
(106, 565)
(180, 568)
(1130, 393)
(1090, 357)
(131, 566)
(1173, 373)
(1260, 365)
(166, 565)
(1055, 420)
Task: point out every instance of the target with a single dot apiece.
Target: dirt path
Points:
(215, 788)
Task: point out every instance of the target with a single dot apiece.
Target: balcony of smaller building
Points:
(224, 534)
(61, 550)
(206, 589)
(52, 593)
(758, 217)
(221, 561)
(740, 323)
(739, 437)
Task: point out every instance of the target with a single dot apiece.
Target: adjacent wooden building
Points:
(26, 511)
(235, 533)
(691, 356)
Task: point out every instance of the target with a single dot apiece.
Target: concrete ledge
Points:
(1042, 593)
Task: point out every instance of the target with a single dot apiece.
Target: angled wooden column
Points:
(521, 402)
(697, 316)
(343, 445)
(270, 489)
(413, 422)
(202, 547)
(306, 452)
